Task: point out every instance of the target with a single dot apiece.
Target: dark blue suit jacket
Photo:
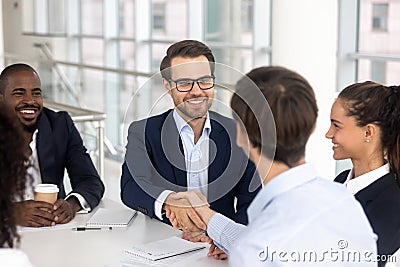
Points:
(60, 147)
(381, 203)
(155, 162)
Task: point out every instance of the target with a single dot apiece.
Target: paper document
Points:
(111, 218)
(182, 260)
(164, 248)
(69, 225)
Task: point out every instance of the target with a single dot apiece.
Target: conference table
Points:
(66, 247)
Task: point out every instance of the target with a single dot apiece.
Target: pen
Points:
(90, 228)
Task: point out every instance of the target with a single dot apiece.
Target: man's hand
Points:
(198, 202)
(216, 252)
(35, 213)
(184, 216)
(65, 210)
(198, 236)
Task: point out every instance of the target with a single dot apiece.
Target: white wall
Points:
(16, 44)
(304, 39)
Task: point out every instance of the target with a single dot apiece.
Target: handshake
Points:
(190, 212)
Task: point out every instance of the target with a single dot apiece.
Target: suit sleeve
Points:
(140, 182)
(246, 190)
(82, 174)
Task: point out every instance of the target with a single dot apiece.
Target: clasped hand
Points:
(194, 202)
(38, 213)
(182, 215)
(197, 203)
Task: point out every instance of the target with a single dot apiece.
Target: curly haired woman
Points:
(13, 178)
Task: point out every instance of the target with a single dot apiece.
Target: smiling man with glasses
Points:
(188, 147)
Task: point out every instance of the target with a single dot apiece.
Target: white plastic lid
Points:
(46, 188)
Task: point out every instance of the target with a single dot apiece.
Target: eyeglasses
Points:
(186, 85)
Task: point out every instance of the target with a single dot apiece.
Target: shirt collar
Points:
(32, 144)
(280, 184)
(181, 123)
(356, 184)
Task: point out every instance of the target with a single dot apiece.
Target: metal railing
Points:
(375, 56)
(80, 113)
(85, 115)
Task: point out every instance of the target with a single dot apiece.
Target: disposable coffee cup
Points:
(46, 192)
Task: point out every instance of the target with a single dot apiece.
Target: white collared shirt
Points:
(196, 158)
(356, 184)
(34, 172)
(296, 212)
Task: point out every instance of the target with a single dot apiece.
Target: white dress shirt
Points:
(34, 172)
(354, 185)
(297, 213)
(196, 158)
(14, 258)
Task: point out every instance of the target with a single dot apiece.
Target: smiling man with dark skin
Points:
(53, 145)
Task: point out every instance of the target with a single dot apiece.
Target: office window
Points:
(126, 19)
(92, 17)
(378, 71)
(232, 39)
(379, 17)
(247, 15)
(28, 17)
(159, 16)
(57, 23)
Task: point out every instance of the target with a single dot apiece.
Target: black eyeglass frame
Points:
(193, 81)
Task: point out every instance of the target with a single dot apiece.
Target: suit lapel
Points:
(45, 150)
(341, 178)
(371, 193)
(172, 147)
(217, 155)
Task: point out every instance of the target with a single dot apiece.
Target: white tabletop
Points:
(65, 247)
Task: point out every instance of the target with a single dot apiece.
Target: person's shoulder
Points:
(218, 119)
(56, 120)
(385, 189)
(55, 115)
(150, 123)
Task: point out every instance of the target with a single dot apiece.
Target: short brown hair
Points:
(293, 106)
(188, 49)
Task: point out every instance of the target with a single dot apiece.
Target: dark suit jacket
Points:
(60, 147)
(155, 162)
(381, 203)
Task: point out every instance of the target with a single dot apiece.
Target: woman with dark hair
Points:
(296, 211)
(365, 127)
(13, 179)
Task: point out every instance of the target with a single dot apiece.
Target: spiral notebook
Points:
(164, 248)
(111, 218)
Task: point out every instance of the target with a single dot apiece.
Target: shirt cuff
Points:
(224, 231)
(216, 226)
(82, 201)
(160, 202)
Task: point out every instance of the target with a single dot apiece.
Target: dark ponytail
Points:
(370, 102)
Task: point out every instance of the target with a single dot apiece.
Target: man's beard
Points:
(30, 128)
(194, 115)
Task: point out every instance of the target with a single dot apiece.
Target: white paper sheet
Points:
(179, 260)
(69, 225)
